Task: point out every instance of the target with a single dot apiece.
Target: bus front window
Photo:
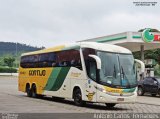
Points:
(110, 71)
(117, 70)
(128, 72)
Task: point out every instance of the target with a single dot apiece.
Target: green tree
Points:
(9, 61)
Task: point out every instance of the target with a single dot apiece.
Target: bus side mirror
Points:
(141, 64)
(141, 69)
(97, 59)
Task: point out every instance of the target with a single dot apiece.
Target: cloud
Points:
(53, 22)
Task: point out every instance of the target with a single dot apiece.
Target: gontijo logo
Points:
(149, 37)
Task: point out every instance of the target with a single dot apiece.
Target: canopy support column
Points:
(142, 53)
(142, 59)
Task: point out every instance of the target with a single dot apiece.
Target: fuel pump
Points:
(149, 67)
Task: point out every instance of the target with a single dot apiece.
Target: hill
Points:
(11, 48)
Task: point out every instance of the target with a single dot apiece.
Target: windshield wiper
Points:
(114, 72)
(122, 72)
(124, 76)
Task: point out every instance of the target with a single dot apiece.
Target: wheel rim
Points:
(78, 97)
(34, 94)
(159, 92)
(139, 91)
(28, 92)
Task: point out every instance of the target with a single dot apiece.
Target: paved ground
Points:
(148, 99)
(13, 101)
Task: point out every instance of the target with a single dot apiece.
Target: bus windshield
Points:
(118, 70)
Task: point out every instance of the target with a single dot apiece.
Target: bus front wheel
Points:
(140, 91)
(110, 105)
(77, 96)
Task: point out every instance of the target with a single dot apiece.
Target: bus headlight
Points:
(101, 89)
(104, 91)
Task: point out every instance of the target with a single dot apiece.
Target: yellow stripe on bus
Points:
(58, 48)
(113, 90)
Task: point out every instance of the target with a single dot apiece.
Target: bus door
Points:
(91, 91)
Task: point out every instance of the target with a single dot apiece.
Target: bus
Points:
(84, 72)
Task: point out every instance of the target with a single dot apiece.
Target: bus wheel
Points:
(159, 92)
(28, 91)
(110, 105)
(78, 97)
(34, 91)
(140, 91)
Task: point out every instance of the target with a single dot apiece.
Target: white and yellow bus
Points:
(87, 71)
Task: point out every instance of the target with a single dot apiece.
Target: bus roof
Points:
(105, 47)
(93, 45)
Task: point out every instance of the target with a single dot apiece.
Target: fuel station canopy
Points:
(134, 41)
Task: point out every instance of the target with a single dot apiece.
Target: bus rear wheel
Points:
(110, 105)
(159, 92)
(28, 91)
(77, 96)
(34, 91)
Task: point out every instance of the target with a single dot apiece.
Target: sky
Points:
(56, 22)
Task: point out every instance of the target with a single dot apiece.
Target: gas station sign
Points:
(149, 37)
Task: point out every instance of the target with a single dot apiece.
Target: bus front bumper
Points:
(108, 98)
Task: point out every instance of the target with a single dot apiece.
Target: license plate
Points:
(120, 99)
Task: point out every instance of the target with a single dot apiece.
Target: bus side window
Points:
(53, 64)
(25, 62)
(73, 62)
(47, 60)
(35, 61)
(22, 63)
(69, 58)
(52, 60)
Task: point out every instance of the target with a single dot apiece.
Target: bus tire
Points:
(28, 90)
(77, 96)
(140, 91)
(34, 91)
(110, 105)
(159, 92)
